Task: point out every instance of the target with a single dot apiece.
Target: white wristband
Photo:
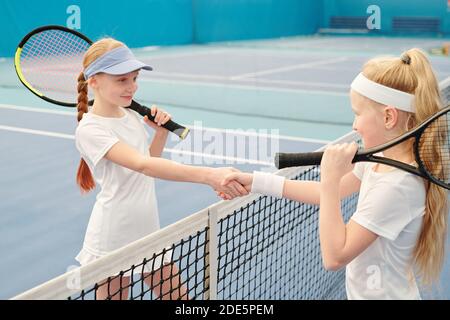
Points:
(268, 184)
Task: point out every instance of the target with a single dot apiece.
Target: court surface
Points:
(244, 101)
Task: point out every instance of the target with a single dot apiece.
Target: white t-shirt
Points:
(125, 209)
(392, 205)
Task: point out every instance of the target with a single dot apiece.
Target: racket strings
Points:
(51, 62)
(434, 148)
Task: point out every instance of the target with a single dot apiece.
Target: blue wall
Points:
(389, 9)
(165, 22)
(218, 20)
(137, 22)
(447, 22)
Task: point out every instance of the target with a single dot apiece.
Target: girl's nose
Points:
(354, 125)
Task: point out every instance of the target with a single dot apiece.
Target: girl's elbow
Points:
(332, 264)
(143, 166)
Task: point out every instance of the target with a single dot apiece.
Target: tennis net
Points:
(256, 247)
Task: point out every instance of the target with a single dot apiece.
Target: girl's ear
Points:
(92, 82)
(390, 117)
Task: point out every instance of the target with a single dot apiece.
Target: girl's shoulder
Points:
(132, 114)
(91, 120)
(399, 186)
(88, 122)
(91, 126)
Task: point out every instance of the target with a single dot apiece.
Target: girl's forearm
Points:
(332, 229)
(170, 170)
(302, 191)
(157, 146)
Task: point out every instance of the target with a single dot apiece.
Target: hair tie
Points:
(405, 58)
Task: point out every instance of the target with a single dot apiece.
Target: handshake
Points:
(229, 183)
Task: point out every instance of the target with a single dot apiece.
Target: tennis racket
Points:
(431, 141)
(48, 62)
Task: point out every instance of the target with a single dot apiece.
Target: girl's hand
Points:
(245, 179)
(337, 161)
(161, 117)
(229, 191)
(241, 178)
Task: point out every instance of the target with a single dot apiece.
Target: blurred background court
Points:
(273, 75)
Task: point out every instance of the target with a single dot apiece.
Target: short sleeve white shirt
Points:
(391, 204)
(125, 208)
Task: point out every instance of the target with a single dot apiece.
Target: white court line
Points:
(168, 150)
(244, 87)
(220, 157)
(38, 132)
(149, 48)
(268, 53)
(315, 84)
(31, 109)
(295, 40)
(262, 81)
(289, 68)
(166, 56)
(233, 131)
(188, 75)
(262, 135)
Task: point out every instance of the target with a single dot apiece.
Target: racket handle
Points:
(170, 125)
(284, 160)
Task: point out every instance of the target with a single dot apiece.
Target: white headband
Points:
(382, 94)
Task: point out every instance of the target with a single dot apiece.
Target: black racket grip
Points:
(172, 126)
(284, 160)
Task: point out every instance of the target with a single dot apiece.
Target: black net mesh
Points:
(270, 249)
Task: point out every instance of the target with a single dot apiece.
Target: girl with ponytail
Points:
(115, 154)
(399, 229)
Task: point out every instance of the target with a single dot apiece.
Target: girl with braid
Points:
(112, 142)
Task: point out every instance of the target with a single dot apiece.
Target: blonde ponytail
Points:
(429, 254)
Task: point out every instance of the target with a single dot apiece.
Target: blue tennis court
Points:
(243, 100)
